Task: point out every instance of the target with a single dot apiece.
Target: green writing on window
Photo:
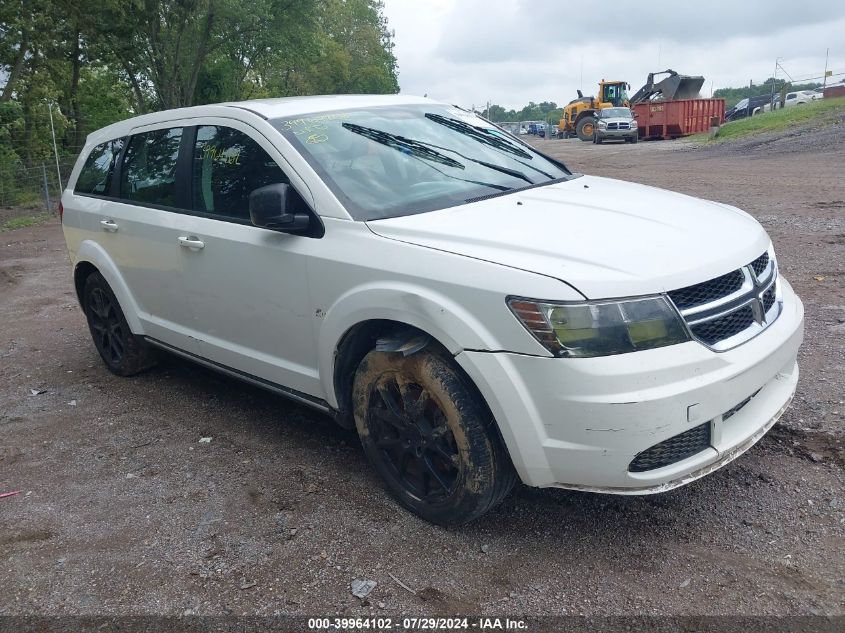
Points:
(229, 156)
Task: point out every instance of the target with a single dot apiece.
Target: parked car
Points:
(748, 107)
(798, 98)
(615, 124)
(477, 311)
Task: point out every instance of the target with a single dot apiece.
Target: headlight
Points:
(602, 125)
(633, 125)
(601, 328)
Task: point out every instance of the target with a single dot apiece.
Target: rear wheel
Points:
(123, 352)
(585, 128)
(428, 436)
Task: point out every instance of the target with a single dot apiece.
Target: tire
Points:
(634, 139)
(598, 139)
(589, 123)
(429, 437)
(123, 353)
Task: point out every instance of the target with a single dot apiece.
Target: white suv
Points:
(475, 309)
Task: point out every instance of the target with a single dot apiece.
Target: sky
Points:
(510, 52)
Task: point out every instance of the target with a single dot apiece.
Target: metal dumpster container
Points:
(681, 117)
(832, 92)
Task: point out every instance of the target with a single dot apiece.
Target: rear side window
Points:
(149, 167)
(95, 177)
(227, 166)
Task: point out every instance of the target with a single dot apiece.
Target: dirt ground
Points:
(124, 511)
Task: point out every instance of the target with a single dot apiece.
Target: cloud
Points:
(468, 52)
(479, 31)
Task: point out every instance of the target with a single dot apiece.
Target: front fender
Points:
(91, 252)
(442, 318)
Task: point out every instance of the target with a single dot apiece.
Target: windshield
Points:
(609, 113)
(384, 162)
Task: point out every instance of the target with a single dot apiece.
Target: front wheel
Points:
(585, 128)
(429, 437)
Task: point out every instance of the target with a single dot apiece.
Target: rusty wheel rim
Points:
(413, 439)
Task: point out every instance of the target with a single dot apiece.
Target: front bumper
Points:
(616, 133)
(578, 423)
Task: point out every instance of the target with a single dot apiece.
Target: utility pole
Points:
(748, 107)
(774, 81)
(55, 150)
(824, 80)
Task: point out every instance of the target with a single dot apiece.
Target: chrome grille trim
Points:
(759, 291)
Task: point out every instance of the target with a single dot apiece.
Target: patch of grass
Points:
(22, 222)
(821, 112)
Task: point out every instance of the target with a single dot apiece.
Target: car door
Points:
(246, 286)
(141, 222)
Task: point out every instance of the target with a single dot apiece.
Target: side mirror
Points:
(278, 207)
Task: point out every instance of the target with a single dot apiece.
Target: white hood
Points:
(607, 238)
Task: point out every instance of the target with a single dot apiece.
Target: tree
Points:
(105, 60)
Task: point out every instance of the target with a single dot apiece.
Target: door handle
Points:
(109, 225)
(194, 243)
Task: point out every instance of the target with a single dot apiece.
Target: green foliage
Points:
(544, 111)
(824, 112)
(22, 222)
(99, 62)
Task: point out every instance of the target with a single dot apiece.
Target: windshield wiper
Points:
(485, 137)
(499, 168)
(479, 134)
(420, 150)
(402, 144)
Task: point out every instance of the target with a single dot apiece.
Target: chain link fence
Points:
(38, 149)
(36, 187)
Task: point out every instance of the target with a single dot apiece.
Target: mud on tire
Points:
(429, 437)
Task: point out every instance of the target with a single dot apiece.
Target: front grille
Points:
(769, 298)
(759, 264)
(708, 291)
(735, 306)
(672, 450)
(731, 324)
(618, 126)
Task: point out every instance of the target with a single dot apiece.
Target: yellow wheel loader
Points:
(579, 114)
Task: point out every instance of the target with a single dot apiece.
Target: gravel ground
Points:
(124, 511)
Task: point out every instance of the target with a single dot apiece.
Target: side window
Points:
(95, 177)
(149, 167)
(227, 166)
